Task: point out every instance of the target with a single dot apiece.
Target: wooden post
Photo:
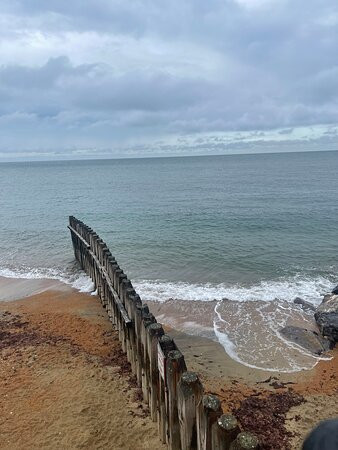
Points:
(121, 277)
(225, 432)
(134, 303)
(117, 274)
(140, 312)
(208, 412)
(109, 305)
(125, 285)
(189, 394)
(165, 345)
(155, 331)
(175, 366)
(245, 441)
(147, 319)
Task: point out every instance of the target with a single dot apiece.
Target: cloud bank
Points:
(138, 78)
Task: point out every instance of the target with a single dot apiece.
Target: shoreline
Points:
(18, 288)
(260, 346)
(232, 381)
(64, 377)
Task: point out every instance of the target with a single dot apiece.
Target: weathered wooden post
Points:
(125, 285)
(121, 278)
(154, 332)
(225, 432)
(110, 305)
(175, 366)
(129, 304)
(122, 332)
(189, 394)
(99, 244)
(140, 312)
(106, 255)
(124, 289)
(117, 274)
(245, 441)
(147, 319)
(165, 345)
(208, 412)
(134, 303)
(112, 267)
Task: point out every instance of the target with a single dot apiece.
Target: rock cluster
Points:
(326, 316)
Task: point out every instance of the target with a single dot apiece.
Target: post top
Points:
(247, 441)
(211, 402)
(227, 422)
(153, 327)
(189, 377)
(175, 355)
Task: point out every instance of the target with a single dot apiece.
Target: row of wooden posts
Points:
(187, 418)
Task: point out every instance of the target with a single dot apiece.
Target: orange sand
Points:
(69, 388)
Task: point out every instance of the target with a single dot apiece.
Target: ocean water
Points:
(248, 228)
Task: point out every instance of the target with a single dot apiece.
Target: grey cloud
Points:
(43, 77)
(276, 68)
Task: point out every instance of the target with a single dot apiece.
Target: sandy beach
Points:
(64, 380)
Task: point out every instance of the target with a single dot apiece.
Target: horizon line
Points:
(162, 156)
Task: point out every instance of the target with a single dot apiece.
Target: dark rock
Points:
(335, 290)
(326, 316)
(307, 306)
(308, 339)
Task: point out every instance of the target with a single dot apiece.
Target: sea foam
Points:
(75, 277)
(310, 289)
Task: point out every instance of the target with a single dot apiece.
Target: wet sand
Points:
(64, 382)
(64, 379)
(14, 288)
(249, 331)
(236, 383)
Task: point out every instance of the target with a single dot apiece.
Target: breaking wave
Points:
(310, 289)
(74, 277)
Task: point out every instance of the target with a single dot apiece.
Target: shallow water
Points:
(249, 228)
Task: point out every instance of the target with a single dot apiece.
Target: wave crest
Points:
(310, 289)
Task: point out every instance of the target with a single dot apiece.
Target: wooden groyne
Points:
(187, 417)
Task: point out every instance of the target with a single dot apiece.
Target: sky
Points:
(122, 78)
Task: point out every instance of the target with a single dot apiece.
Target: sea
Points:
(237, 237)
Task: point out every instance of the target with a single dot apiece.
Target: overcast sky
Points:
(120, 78)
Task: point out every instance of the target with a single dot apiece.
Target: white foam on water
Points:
(293, 357)
(83, 283)
(310, 289)
(76, 278)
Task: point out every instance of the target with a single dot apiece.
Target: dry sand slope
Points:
(64, 382)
